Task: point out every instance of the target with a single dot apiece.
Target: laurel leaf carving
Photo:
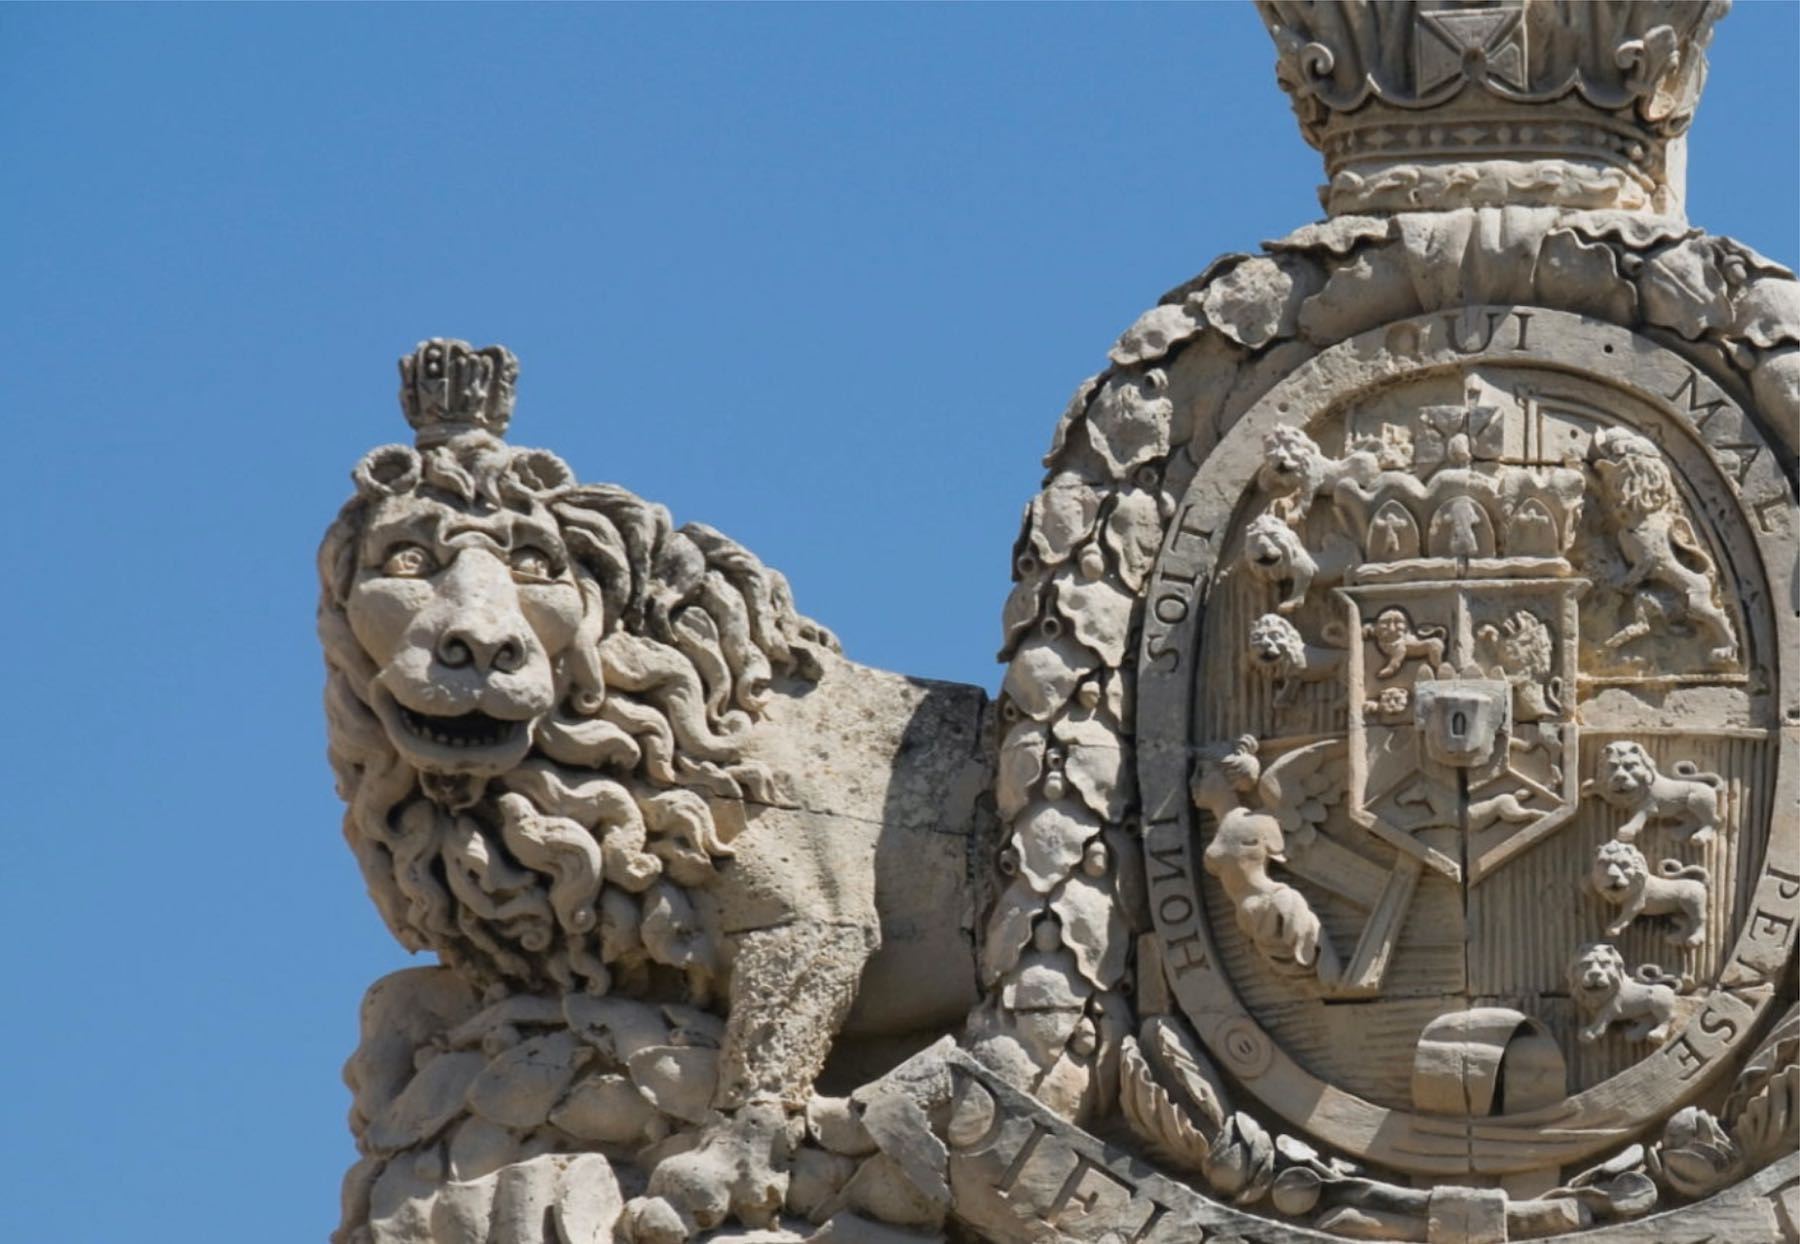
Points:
(1765, 1129)
(1178, 1125)
(1764, 1105)
(1189, 1068)
(1166, 1129)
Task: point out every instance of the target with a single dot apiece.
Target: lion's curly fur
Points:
(574, 866)
(1268, 536)
(1525, 646)
(1626, 856)
(1595, 976)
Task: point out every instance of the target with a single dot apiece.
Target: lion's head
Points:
(1391, 629)
(462, 595)
(1271, 548)
(1294, 468)
(538, 696)
(1626, 774)
(1634, 479)
(1596, 975)
(1619, 870)
(1276, 647)
(1522, 644)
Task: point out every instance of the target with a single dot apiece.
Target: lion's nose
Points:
(488, 651)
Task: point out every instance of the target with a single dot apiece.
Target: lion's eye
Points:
(533, 563)
(408, 561)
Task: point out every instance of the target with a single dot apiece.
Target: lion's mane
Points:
(1267, 531)
(575, 869)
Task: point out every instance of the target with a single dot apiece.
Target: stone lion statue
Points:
(1605, 994)
(1628, 779)
(1622, 877)
(564, 731)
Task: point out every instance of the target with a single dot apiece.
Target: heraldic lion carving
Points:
(1629, 780)
(1606, 994)
(541, 697)
(534, 687)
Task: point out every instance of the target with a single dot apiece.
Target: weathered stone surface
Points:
(434, 1097)
(1383, 832)
(1423, 809)
(639, 804)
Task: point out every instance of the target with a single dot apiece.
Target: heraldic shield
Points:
(1457, 864)
(1461, 630)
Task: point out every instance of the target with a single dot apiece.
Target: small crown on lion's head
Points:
(448, 388)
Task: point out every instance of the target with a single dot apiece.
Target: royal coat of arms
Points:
(1456, 870)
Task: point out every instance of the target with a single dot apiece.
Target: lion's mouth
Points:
(476, 731)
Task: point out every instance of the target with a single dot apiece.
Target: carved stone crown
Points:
(449, 387)
(1452, 103)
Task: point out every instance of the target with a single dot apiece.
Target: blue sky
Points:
(821, 276)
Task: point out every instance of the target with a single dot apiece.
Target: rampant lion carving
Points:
(1628, 780)
(1659, 545)
(1524, 653)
